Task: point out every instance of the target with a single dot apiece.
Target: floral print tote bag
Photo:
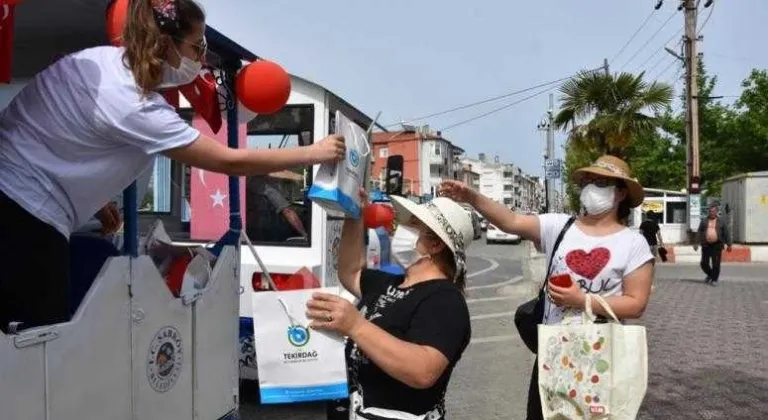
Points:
(592, 371)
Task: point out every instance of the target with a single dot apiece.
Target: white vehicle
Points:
(496, 235)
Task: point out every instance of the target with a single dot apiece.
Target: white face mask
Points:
(186, 73)
(404, 246)
(597, 200)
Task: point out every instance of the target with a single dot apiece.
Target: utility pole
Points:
(548, 126)
(606, 68)
(690, 10)
(551, 192)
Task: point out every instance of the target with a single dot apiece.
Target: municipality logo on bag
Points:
(298, 336)
(354, 158)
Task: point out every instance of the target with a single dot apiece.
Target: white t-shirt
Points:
(79, 133)
(597, 263)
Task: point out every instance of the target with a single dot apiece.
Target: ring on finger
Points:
(329, 317)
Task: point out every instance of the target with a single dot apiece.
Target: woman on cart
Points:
(84, 129)
(409, 331)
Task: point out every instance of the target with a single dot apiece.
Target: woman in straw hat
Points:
(597, 252)
(408, 332)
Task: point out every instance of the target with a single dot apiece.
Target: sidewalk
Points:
(739, 253)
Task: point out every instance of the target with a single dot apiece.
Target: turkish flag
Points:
(209, 192)
(203, 97)
(6, 42)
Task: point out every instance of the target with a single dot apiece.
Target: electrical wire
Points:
(634, 35)
(492, 99)
(679, 31)
(709, 15)
(495, 110)
(666, 69)
(666, 22)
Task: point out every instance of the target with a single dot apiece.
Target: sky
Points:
(413, 58)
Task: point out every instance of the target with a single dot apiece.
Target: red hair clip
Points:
(165, 12)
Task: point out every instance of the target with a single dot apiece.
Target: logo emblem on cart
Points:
(298, 335)
(165, 359)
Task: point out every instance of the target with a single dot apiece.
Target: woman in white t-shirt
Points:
(84, 129)
(599, 253)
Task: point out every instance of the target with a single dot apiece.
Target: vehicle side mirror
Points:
(394, 175)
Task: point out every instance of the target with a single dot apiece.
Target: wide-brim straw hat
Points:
(612, 167)
(447, 219)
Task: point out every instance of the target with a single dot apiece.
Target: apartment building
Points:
(428, 158)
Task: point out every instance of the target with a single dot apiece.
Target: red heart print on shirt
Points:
(588, 264)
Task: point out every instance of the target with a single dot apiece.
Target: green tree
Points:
(605, 113)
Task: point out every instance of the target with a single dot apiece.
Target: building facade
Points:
(428, 159)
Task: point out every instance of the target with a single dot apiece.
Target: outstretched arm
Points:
(208, 154)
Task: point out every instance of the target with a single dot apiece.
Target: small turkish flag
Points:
(6, 42)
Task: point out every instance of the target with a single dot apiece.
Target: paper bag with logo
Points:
(592, 371)
(337, 185)
(295, 364)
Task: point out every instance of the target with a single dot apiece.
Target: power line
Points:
(492, 99)
(709, 15)
(666, 69)
(632, 38)
(679, 31)
(495, 110)
(666, 22)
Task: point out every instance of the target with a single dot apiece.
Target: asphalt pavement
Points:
(708, 346)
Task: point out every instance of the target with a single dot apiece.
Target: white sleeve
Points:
(153, 126)
(639, 253)
(550, 225)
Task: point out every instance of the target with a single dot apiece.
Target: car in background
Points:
(496, 235)
(476, 227)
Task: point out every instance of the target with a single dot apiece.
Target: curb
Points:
(739, 254)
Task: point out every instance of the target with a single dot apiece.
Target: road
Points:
(708, 347)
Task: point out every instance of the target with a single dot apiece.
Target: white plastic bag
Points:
(337, 185)
(296, 364)
(592, 371)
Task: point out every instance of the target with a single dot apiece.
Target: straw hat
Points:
(446, 218)
(612, 167)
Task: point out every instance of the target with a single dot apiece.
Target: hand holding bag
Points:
(592, 371)
(529, 314)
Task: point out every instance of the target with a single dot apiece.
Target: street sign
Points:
(694, 212)
(553, 169)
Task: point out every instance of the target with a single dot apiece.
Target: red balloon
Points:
(378, 215)
(116, 15)
(263, 87)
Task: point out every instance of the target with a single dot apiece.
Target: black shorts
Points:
(34, 269)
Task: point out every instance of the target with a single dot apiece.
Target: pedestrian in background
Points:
(652, 233)
(712, 235)
(598, 252)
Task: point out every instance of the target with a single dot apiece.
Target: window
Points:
(277, 209)
(507, 187)
(156, 187)
(384, 152)
(675, 212)
(437, 149)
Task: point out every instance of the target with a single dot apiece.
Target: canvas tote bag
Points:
(592, 371)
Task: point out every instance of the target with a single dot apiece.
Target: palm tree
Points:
(605, 113)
